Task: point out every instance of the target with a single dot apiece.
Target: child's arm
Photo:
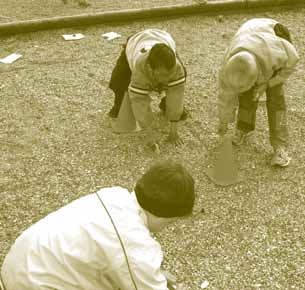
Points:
(152, 141)
(283, 73)
(172, 281)
(174, 110)
(144, 271)
(173, 136)
(227, 103)
(140, 103)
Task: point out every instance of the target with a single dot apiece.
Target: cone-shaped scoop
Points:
(126, 121)
(225, 171)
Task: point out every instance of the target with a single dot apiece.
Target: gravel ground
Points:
(31, 9)
(56, 144)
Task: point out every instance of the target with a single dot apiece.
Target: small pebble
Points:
(204, 284)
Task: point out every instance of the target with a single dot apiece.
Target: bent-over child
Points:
(103, 240)
(149, 62)
(259, 59)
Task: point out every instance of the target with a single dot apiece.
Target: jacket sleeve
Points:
(144, 271)
(140, 100)
(175, 99)
(283, 73)
(227, 103)
(175, 93)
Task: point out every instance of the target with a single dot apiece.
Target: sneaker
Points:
(239, 137)
(113, 113)
(280, 157)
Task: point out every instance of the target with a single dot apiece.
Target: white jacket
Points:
(77, 248)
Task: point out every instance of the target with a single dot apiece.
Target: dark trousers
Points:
(282, 31)
(276, 109)
(120, 79)
(276, 106)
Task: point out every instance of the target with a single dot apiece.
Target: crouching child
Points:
(259, 60)
(149, 62)
(103, 240)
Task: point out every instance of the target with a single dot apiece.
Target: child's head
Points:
(241, 71)
(166, 192)
(162, 61)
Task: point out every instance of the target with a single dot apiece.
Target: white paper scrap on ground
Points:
(10, 58)
(204, 284)
(111, 35)
(74, 36)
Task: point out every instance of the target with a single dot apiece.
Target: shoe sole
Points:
(281, 165)
(239, 143)
(243, 140)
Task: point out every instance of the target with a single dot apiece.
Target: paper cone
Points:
(225, 171)
(125, 121)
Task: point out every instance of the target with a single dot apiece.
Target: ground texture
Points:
(56, 144)
(33, 9)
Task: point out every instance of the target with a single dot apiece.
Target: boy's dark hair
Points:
(282, 31)
(161, 55)
(166, 190)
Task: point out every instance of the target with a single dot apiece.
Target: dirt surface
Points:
(34, 9)
(56, 144)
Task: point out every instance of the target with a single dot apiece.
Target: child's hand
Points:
(222, 128)
(175, 286)
(154, 147)
(171, 286)
(173, 136)
(152, 142)
(180, 286)
(171, 278)
(172, 281)
(174, 139)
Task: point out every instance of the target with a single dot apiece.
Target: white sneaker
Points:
(280, 157)
(239, 137)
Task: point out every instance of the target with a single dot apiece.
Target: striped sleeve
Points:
(138, 90)
(180, 75)
(177, 82)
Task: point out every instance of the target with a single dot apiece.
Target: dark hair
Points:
(161, 55)
(282, 31)
(166, 190)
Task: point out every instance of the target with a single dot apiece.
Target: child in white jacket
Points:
(259, 59)
(103, 240)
